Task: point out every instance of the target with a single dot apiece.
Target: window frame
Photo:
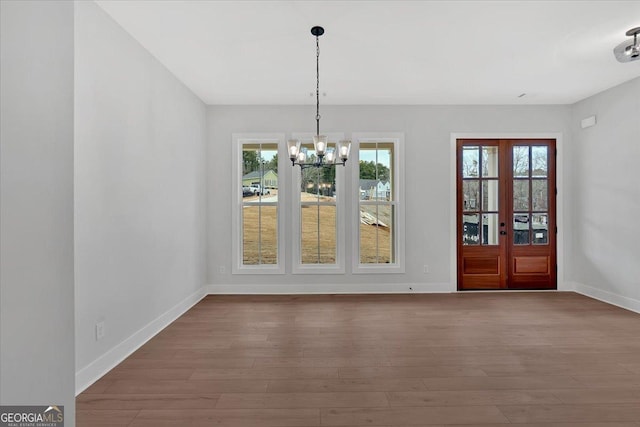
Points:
(397, 139)
(239, 140)
(297, 267)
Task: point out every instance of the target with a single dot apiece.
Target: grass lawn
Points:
(261, 222)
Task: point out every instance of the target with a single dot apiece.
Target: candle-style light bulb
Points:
(343, 150)
(293, 146)
(330, 157)
(320, 144)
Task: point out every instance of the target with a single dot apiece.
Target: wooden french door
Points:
(506, 214)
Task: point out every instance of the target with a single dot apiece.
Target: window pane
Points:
(259, 185)
(316, 183)
(471, 195)
(520, 194)
(259, 235)
(318, 248)
(375, 171)
(259, 168)
(376, 234)
(269, 234)
(540, 227)
(470, 162)
(386, 252)
(490, 195)
(490, 162)
(376, 174)
(317, 188)
(521, 229)
(540, 196)
(317, 219)
(470, 229)
(539, 157)
(250, 235)
(490, 229)
(521, 161)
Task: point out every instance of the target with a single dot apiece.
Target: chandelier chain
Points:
(317, 86)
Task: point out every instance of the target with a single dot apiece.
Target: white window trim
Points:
(238, 141)
(397, 138)
(341, 176)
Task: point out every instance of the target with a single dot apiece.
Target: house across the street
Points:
(267, 179)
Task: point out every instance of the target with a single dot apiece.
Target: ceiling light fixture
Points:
(628, 50)
(325, 155)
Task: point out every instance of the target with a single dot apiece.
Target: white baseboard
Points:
(96, 369)
(608, 297)
(329, 288)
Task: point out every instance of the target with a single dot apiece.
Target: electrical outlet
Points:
(99, 331)
(425, 269)
(222, 269)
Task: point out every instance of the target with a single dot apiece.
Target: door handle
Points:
(502, 233)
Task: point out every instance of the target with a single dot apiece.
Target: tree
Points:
(250, 161)
(371, 170)
(272, 164)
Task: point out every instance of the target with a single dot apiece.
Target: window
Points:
(318, 238)
(378, 211)
(258, 229)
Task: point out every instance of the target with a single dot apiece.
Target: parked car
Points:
(247, 191)
(257, 189)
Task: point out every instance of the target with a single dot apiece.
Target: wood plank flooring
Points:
(482, 359)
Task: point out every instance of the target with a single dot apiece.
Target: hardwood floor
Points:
(532, 359)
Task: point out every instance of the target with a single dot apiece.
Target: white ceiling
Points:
(386, 52)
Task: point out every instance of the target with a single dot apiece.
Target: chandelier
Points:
(326, 156)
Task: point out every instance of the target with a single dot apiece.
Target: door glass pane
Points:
(470, 195)
(521, 229)
(520, 194)
(470, 161)
(539, 159)
(470, 229)
(521, 161)
(539, 196)
(540, 228)
(490, 229)
(490, 162)
(490, 195)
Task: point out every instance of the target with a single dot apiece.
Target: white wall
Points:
(140, 193)
(606, 197)
(427, 175)
(36, 205)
